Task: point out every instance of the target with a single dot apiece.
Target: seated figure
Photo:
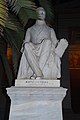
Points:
(41, 51)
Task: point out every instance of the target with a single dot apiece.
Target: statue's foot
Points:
(32, 77)
(38, 78)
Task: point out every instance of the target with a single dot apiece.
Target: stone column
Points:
(36, 103)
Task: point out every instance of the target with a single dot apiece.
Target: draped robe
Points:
(38, 54)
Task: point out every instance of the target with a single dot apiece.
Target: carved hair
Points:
(40, 8)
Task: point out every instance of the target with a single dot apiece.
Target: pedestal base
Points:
(36, 103)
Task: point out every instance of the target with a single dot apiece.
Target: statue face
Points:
(41, 13)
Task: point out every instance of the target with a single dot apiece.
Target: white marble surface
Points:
(36, 103)
(37, 83)
(41, 51)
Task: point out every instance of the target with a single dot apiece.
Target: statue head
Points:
(41, 13)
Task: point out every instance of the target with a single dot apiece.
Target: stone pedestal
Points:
(40, 103)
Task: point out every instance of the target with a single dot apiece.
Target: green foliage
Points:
(3, 14)
(25, 15)
(15, 40)
(23, 4)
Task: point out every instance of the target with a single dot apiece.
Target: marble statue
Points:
(41, 51)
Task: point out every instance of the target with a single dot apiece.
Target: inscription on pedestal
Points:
(38, 83)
